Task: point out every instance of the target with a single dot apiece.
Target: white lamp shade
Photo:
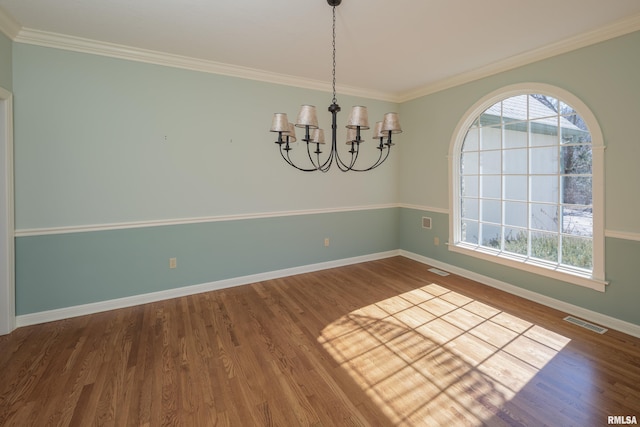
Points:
(391, 123)
(307, 117)
(317, 137)
(351, 135)
(358, 117)
(280, 123)
(291, 133)
(377, 131)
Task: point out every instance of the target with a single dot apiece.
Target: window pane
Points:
(576, 159)
(515, 161)
(574, 130)
(491, 210)
(542, 106)
(469, 163)
(491, 235)
(544, 246)
(515, 108)
(491, 116)
(470, 208)
(577, 252)
(566, 108)
(490, 162)
(544, 188)
(469, 232)
(471, 140)
(515, 241)
(544, 217)
(491, 138)
(577, 220)
(576, 190)
(515, 187)
(544, 132)
(492, 186)
(515, 135)
(544, 160)
(515, 213)
(469, 186)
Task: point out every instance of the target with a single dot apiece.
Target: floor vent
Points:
(586, 325)
(438, 272)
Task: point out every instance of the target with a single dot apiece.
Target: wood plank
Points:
(378, 343)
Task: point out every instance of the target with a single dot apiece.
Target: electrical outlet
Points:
(326, 242)
(173, 262)
(436, 241)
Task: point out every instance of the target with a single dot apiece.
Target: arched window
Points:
(527, 171)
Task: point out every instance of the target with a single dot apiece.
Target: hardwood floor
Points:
(379, 343)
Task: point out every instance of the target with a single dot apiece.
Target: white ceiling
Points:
(398, 47)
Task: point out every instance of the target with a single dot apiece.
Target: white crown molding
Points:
(617, 29)
(95, 47)
(77, 44)
(9, 26)
(592, 316)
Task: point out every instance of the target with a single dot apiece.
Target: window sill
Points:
(575, 277)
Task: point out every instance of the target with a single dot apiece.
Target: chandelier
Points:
(357, 122)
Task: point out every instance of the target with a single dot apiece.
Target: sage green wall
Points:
(6, 59)
(103, 141)
(605, 77)
(58, 271)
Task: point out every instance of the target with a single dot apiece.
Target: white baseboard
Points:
(97, 307)
(81, 310)
(591, 316)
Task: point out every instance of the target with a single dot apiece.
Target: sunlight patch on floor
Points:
(432, 355)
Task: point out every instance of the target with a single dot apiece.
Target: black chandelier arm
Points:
(380, 160)
(327, 164)
(288, 160)
(317, 163)
(316, 166)
(342, 165)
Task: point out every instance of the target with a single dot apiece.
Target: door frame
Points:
(7, 228)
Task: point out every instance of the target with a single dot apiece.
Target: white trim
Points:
(617, 29)
(597, 279)
(81, 310)
(180, 221)
(532, 267)
(626, 235)
(9, 26)
(95, 47)
(77, 44)
(424, 208)
(7, 271)
(235, 217)
(592, 316)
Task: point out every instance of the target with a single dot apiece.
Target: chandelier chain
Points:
(334, 56)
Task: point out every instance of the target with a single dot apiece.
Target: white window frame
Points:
(594, 280)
